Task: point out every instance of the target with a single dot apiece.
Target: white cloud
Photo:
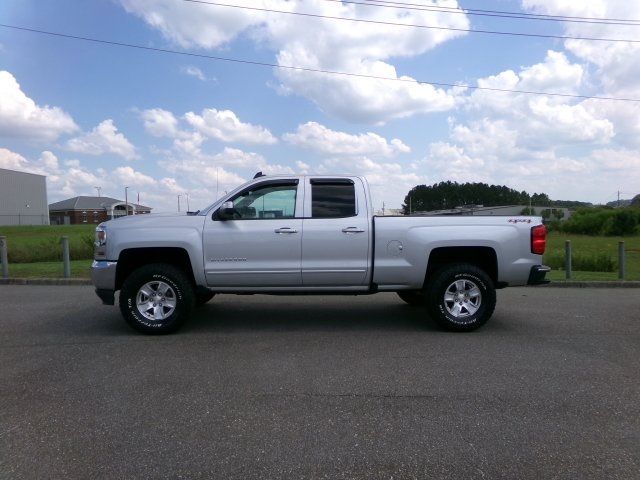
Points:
(618, 63)
(21, 117)
(12, 161)
(317, 137)
(159, 122)
(194, 72)
(359, 48)
(389, 181)
(129, 176)
(104, 138)
(224, 125)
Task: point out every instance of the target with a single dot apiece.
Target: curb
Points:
(87, 281)
(45, 281)
(592, 284)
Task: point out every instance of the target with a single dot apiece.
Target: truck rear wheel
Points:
(156, 299)
(461, 297)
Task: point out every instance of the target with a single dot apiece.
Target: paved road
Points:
(321, 387)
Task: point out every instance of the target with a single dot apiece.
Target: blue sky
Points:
(87, 114)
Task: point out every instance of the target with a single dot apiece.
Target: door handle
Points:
(285, 230)
(352, 230)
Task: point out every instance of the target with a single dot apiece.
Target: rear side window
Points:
(332, 199)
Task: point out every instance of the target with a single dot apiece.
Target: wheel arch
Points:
(131, 259)
(484, 258)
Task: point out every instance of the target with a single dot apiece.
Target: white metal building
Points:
(23, 198)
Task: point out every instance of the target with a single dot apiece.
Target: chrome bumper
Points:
(103, 274)
(537, 274)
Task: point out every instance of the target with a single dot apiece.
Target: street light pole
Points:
(179, 202)
(126, 200)
(188, 208)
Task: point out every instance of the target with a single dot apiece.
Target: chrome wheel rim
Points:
(462, 298)
(156, 301)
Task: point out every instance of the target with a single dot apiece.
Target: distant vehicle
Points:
(312, 234)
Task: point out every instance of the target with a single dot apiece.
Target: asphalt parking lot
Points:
(321, 387)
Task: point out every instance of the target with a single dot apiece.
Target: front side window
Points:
(332, 200)
(266, 202)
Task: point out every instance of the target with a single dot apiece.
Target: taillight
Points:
(538, 239)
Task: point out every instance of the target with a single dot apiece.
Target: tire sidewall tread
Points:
(172, 276)
(442, 279)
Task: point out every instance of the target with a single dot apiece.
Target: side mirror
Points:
(226, 211)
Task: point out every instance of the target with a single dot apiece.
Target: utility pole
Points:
(99, 189)
(179, 202)
(126, 200)
(383, 209)
(618, 198)
(409, 204)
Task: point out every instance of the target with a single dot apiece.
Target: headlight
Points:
(101, 236)
(100, 244)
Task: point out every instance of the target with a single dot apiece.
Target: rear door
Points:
(336, 233)
(261, 247)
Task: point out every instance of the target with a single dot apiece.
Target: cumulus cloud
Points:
(364, 49)
(104, 138)
(224, 125)
(315, 136)
(159, 122)
(21, 117)
(12, 161)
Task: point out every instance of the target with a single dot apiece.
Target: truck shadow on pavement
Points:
(307, 314)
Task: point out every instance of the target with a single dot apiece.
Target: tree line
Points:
(448, 195)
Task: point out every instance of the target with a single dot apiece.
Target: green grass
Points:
(28, 244)
(559, 276)
(593, 248)
(79, 269)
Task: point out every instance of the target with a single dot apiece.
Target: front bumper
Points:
(537, 274)
(103, 276)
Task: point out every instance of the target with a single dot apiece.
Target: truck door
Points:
(261, 246)
(335, 240)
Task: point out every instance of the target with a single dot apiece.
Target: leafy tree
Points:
(447, 195)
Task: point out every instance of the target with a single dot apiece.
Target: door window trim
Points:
(275, 182)
(333, 181)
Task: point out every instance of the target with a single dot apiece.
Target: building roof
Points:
(6, 170)
(90, 203)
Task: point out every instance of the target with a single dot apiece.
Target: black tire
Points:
(462, 310)
(179, 295)
(415, 298)
(203, 297)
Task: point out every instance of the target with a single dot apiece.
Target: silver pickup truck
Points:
(312, 234)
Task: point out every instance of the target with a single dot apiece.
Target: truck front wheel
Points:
(156, 299)
(461, 297)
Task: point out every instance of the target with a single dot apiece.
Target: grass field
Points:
(587, 246)
(35, 252)
(79, 269)
(28, 244)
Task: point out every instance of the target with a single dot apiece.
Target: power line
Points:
(464, 11)
(506, 14)
(309, 69)
(411, 25)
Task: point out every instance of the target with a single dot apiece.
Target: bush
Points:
(603, 221)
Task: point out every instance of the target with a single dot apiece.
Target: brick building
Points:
(81, 210)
